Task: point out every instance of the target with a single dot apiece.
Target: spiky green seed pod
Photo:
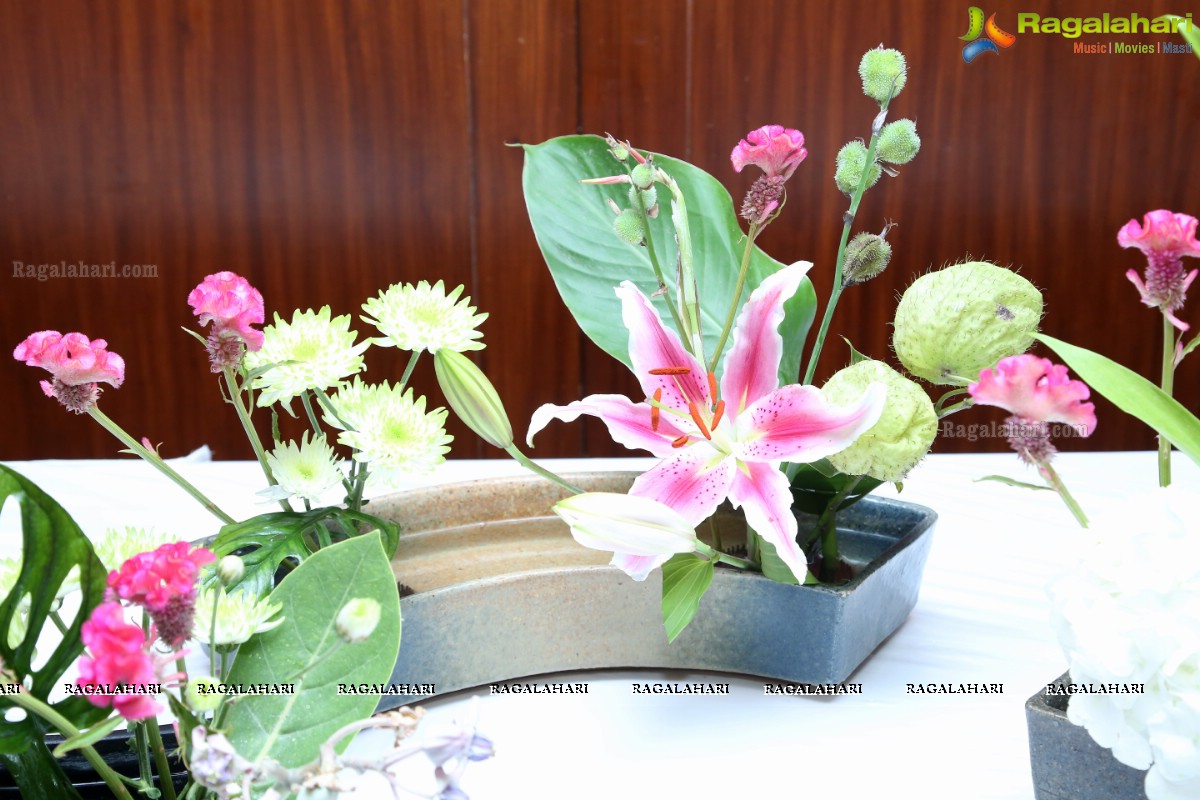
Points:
(903, 434)
(883, 73)
(649, 197)
(954, 323)
(851, 160)
(898, 142)
(630, 226)
(867, 255)
(642, 176)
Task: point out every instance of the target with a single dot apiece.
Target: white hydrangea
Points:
(424, 317)
(311, 352)
(306, 469)
(1130, 614)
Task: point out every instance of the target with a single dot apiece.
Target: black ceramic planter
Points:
(504, 592)
(1067, 764)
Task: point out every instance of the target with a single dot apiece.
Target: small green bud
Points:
(952, 324)
(357, 619)
(851, 160)
(898, 142)
(630, 226)
(619, 150)
(201, 694)
(649, 197)
(473, 398)
(867, 255)
(230, 570)
(642, 176)
(883, 72)
(901, 437)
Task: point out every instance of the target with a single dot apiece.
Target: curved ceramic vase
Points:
(1067, 764)
(504, 592)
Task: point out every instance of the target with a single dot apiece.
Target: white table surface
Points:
(982, 617)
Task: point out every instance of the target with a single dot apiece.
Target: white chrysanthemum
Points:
(10, 568)
(307, 469)
(1130, 614)
(424, 317)
(389, 430)
(118, 545)
(240, 615)
(311, 352)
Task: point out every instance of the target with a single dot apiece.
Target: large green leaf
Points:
(1133, 394)
(290, 728)
(52, 545)
(686, 577)
(574, 228)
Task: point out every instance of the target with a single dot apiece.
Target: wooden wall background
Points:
(326, 149)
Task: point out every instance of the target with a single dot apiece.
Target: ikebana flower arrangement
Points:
(289, 603)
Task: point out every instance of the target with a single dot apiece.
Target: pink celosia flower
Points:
(119, 656)
(229, 302)
(1036, 389)
(1165, 238)
(773, 148)
(164, 582)
(728, 446)
(78, 365)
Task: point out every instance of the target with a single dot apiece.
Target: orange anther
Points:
(712, 386)
(654, 412)
(680, 442)
(720, 412)
(696, 418)
(670, 371)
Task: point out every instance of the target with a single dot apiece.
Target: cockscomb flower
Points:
(240, 615)
(152, 579)
(640, 532)
(117, 545)
(1165, 238)
(727, 443)
(1036, 389)
(78, 366)
(232, 305)
(424, 317)
(312, 352)
(119, 656)
(774, 149)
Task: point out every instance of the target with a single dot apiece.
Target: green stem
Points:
(408, 369)
(212, 634)
(835, 291)
(828, 517)
(737, 296)
(35, 706)
(954, 409)
(58, 622)
(312, 417)
(528, 464)
(143, 752)
(658, 273)
(1168, 386)
(725, 558)
(1057, 485)
(166, 785)
(154, 460)
(243, 414)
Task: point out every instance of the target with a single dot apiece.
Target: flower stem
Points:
(408, 369)
(243, 413)
(725, 558)
(737, 296)
(143, 752)
(1057, 485)
(166, 785)
(35, 706)
(528, 464)
(155, 461)
(847, 223)
(1168, 386)
(658, 273)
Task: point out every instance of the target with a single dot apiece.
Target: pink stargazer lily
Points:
(727, 445)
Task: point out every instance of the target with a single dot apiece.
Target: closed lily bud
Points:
(953, 323)
(904, 433)
(630, 226)
(358, 619)
(883, 73)
(473, 398)
(851, 161)
(898, 142)
(867, 255)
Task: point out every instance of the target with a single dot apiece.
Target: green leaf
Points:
(1189, 347)
(814, 486)
(1014, 482)
(52, 546)
(290, 728)
(1133, 394)
(88, 737)
(37, 775)
(686, 577)
(269, 540)
(855, 356)
(772, 565)
(573, 225)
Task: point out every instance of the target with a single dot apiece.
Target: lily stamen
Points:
(680, 442)
(671, 371)
(696, 418)
(712, 386)
(720, 412)
(654, 412)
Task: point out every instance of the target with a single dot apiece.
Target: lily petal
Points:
(796, 423)
(651, 346)
(763, 493)
(628, 422)
(641, 532)
(638, 567)
(694, 481)
(752, 365)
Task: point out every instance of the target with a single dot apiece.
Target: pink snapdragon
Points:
(1165, 238)
(77, 366)
(119, 656)
(773, 148)
(232, 305)
(163, 581)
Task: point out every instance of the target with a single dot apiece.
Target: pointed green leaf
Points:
(574, 228)
(1013, 482)
(1189, 347)
(1133, 394)
(686, 577)
(855, 356)
(89, 736)
(772, 565)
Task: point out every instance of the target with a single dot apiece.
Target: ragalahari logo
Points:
(995, 37)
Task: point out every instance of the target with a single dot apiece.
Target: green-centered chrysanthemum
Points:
(240, 615)
(118, 545)
(311, 352)
(389, 430)
(424, 317)
(305, 469)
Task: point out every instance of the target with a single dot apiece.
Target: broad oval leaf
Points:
(574, 228)
(686, 577)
